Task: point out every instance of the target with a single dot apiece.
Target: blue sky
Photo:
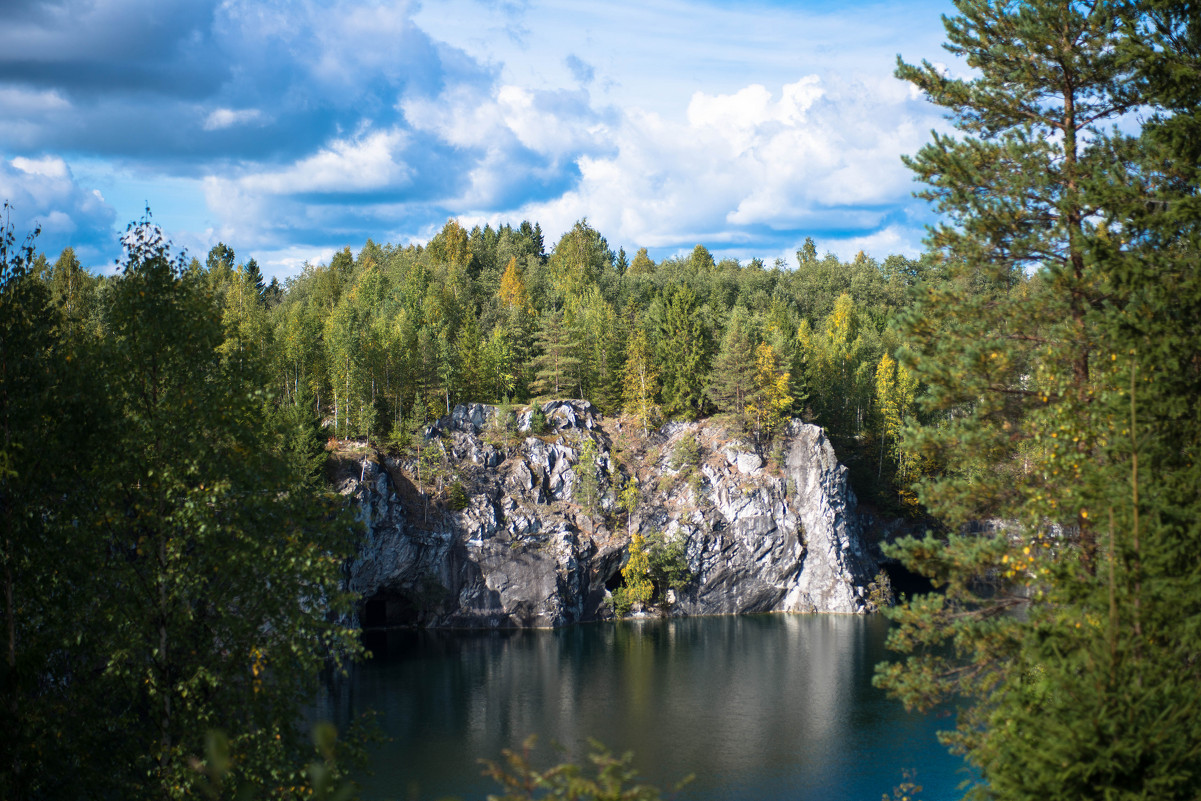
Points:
(291, 129)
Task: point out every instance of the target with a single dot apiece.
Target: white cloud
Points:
(549, 123)
(42, 193)
(267, 207)
(823, 153)
(370, 162)
(48, 167)
(283, 262)
(907, 241)
(228, 117)
(16, 100)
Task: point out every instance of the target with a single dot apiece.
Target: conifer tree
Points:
(254, 277)
(734, 368)
(1066, 639)
(555, 367)
(682, 354)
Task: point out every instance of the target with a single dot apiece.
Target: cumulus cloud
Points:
(42, 193)
(266, 80)
(821, 156)
(319, 123)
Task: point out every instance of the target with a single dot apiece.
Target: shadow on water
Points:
(757, 707)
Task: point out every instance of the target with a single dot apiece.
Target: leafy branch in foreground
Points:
(614, 779)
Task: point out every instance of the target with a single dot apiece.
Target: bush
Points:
(638, 587)
(879, 592)
(686, 454)
(459, 500)
(667, 564)
(615, 778)
(538, 422)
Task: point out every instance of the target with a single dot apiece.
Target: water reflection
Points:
(762, 707)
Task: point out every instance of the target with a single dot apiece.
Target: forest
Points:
(164, 428)
(379, 342)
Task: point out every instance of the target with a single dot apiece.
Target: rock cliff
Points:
(519, 549)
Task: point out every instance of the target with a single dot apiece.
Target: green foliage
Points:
(641, 384)
(768, 399)
(734, 368)
(1051, 348)
(614, 780)
(556, 367)
(667, 564)
(588, 491)
(459, 499)
(682, 350)
(656, 564)
(324, 779)
(879, 592)
(538, 422)
(185, 577)
(637, 587)
(685, 454)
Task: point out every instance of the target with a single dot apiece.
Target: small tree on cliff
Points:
(588, 486)
(638, 587)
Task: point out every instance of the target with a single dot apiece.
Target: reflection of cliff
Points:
(736, 699)
(523, 552)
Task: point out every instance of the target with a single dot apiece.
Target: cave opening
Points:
(615, 581)
(389, 609)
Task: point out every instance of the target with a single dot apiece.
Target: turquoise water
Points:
(759, 707)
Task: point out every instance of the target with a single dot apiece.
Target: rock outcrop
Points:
(777, 534)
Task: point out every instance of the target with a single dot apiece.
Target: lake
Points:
(757, 707)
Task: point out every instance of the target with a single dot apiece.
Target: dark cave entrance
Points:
(389, 609)
(615, 581)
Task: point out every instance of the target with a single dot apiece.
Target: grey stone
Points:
(523, 554)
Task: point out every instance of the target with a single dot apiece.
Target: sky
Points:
(289, 130)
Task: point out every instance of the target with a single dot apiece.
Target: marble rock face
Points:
(758, 535)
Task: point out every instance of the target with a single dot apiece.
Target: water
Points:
(760, 707)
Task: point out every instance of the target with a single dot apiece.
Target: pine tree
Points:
(1054, 380)
(734, 368)
(556, 366)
